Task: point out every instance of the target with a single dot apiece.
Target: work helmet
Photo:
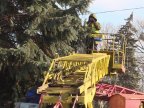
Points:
(93, 15)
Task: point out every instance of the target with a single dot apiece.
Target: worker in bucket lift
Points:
(95, 37)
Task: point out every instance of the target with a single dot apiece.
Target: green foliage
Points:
(58, 26)
(31, 32)
(131, 78)
(20, 68)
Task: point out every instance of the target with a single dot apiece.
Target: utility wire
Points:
(120, 10)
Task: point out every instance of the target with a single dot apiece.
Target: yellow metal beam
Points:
(77, 74)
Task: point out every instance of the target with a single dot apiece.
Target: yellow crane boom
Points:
(76, 75)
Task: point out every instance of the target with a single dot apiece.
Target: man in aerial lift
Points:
(95, 37)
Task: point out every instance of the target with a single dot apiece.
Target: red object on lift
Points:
(105, 91)
(126, 101)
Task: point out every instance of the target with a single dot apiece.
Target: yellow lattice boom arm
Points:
(75, 74)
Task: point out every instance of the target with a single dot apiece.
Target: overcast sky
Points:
(115, 18)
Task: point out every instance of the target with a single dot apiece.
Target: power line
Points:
(120, 10)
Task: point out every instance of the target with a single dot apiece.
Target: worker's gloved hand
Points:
(92, 20)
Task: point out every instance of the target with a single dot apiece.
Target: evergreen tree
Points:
(131, 78)
(31, 32)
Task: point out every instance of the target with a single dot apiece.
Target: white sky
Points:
(115, 18)
(117, 4)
